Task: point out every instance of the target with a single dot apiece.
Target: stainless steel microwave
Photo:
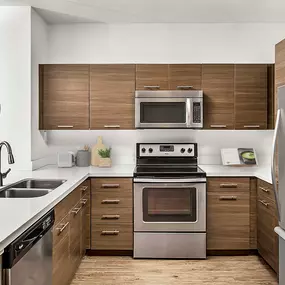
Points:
(169, 109)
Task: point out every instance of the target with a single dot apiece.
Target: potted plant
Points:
(105, 157)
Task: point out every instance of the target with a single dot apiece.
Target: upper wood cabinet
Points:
(152, 76)
(112, 98)
(251, 96)
(64, 96)
(218, 88)
(185, 76)
(280, 64)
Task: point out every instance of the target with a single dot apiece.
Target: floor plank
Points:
(216, 270)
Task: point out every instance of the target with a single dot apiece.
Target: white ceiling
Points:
(158, 11)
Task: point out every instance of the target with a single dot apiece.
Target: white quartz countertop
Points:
(17, 215)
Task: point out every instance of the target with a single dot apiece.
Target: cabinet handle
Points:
(228, 185)
(264, 189)
(110, 233)
(60, 230)
(112, 126)
(218, 126)
(252, 126)
(151, 87)
(263, 203)
(75, 211)
(84, 188)
(110, 202)
(83, 201)
(110, 217)
(228, 198)
(66, 127)
(110, 186)
(184, 87)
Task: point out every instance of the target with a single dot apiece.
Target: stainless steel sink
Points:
(30, 188)
(38, 184)
(23, 193)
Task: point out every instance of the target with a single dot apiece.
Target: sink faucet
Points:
(10, 160)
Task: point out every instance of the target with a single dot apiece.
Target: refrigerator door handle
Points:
(273, 175)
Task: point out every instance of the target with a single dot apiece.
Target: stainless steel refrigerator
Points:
(279, 148)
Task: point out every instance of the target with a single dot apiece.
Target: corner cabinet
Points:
(112, 99)
(64, 96)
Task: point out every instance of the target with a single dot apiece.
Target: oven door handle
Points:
(182, 180)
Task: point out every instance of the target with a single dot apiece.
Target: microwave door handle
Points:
(188, 113)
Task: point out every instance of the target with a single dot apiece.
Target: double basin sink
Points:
(30, 188)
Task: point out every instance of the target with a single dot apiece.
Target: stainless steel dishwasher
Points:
(28, 259)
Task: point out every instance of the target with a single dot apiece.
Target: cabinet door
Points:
(85, 224)
(218, 88)
(112, 96)
(251, 96)
(280, 64)
(228, 214)
(65, 97)
(152, 76)
(185, 76)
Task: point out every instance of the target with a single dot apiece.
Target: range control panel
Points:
(164, 150)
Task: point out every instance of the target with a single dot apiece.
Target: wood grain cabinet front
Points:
(64, 91)
(228, 214)
(112, 98)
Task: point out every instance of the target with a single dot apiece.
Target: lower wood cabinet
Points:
(267, 239)
(228, 214)
(111, 214)
(70, 234)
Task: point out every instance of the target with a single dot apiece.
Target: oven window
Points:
(174, 204)
(163, 112)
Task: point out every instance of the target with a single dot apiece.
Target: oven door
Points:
(162, 112)
(170, 207)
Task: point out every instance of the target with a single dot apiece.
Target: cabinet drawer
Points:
(112, 237)
(60, 230)
(265, 190)
(228, 220)
(109, 216)
(84, 188)
(117, 186)
(228, 184)
(112, 199)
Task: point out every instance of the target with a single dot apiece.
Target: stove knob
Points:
(143, 150)
(182, 150)
(190, 150)
(150, 150)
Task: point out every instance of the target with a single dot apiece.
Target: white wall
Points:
(15, 83)
(164, 43)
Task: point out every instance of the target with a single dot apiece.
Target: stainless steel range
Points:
(169, 202)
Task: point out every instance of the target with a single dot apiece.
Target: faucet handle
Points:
(4, 175)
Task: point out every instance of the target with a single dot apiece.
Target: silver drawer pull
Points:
(110, 233)
(110, 186)
(110, 202)
(228, 198)
(263, 203)
(83, 188)
(75, 211)
(112, 126)
(264, 189)
(151, 87)
(60, 230)
(218, 126)
(66, 127)
(110, 217)
(228, 185)
(184, 87)
(252, 126)
(83, 201)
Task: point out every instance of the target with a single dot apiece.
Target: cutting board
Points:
(95, 157)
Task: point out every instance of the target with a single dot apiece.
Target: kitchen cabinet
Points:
(218, 88)
(185, 76)
(228, 214)
(64, 96)
(267, 239)
(70, 234)
(250, 96)
(280, 64)
(111, 214)
(152, 77)
(112, 100)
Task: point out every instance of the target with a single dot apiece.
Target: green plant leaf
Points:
(105, 153)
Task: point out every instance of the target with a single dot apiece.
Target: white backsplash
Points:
(123, 143)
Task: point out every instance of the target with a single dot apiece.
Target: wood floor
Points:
(237, 270)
